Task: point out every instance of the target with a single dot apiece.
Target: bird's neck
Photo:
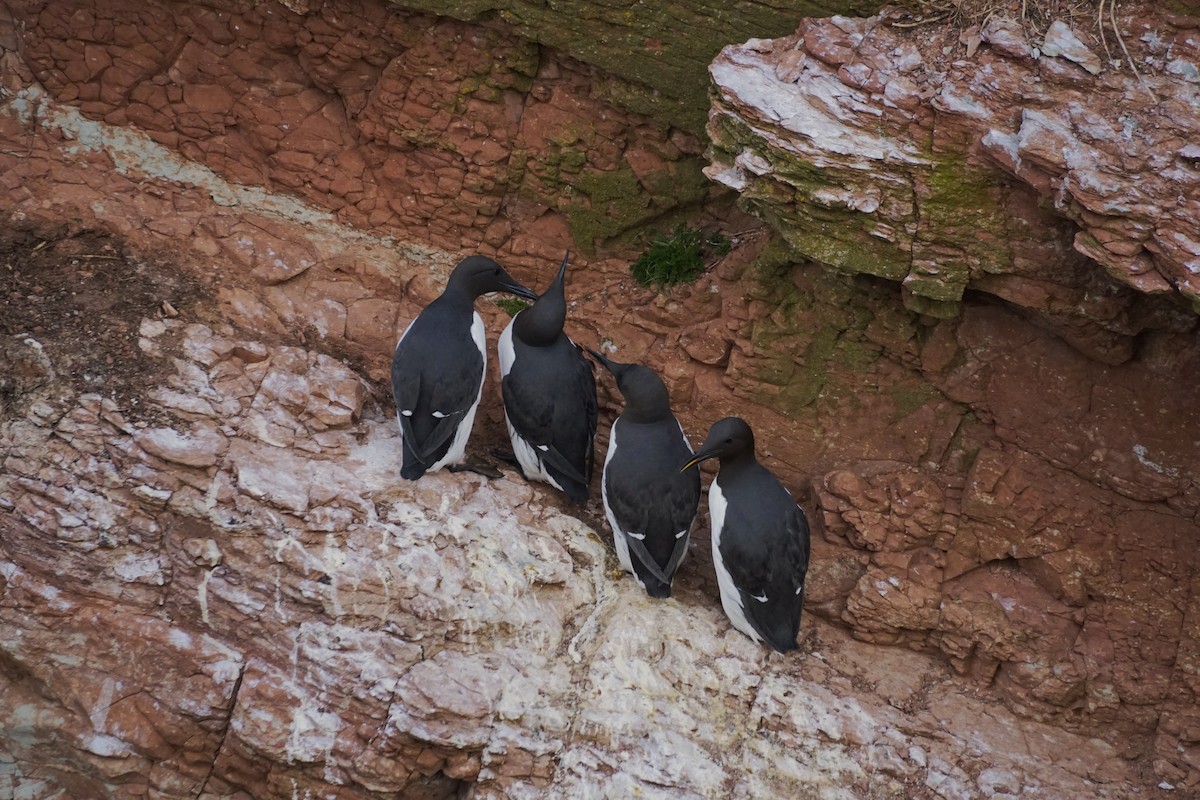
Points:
(645, 416)
(456, 297)
(734, 466)
(541, 324)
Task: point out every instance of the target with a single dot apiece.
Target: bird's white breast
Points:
(479, 337)
(504, 347)
(618, 534)
(731, 597)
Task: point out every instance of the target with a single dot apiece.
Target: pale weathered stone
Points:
(201, 446)
(797, 144)
(402, 629)
(1061, 41)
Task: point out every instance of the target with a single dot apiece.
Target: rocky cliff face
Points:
(225, 592)
(1010, 489)
(929, 162)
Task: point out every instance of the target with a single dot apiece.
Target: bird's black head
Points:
(729, 439)
(646, 397)
(478, 275)
(542, 323)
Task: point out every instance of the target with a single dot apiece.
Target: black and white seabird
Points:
(759, 539)
(549, 394)
(439, 364)
(649, 502)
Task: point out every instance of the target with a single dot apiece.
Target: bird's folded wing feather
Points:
(451, 396)
(442, 430)
(789, 569)
(532, 416)
(749, 570)
(637, 548)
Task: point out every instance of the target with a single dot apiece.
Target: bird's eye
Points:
(496, 272)
(729, 441)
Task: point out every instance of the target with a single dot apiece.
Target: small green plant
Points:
(511, 304)
(677, 257)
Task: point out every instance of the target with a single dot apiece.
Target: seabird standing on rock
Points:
(759, 539)
(649, 502)
(549, 394)
(438, 368)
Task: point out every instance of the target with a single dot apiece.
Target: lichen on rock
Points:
(867, 152)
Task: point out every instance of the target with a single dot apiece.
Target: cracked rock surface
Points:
(1012, 491)
(196, 608)
(904, 155)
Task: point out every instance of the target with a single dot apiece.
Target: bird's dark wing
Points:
(747, 566)
(586, 386)
(648, 495)
(777, 564)
(788, 572)
(766, 552)
(559, 422)
(638, 549)
(438, 385)
(439, 433)
(406, 378)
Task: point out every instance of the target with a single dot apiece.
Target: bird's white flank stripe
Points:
(618, 534)
(504, 347)
(731, 597)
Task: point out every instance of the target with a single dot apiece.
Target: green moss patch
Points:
(963, 230)
(677, 257)
(511, 305)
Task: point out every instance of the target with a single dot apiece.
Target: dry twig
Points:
(1112, 15)
(1100, 26)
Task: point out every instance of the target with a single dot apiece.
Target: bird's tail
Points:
(413, 467)
(656, 588)
(575, 491)
(781, 631)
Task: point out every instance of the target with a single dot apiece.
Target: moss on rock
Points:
(799, 199)
(814, 341)
(658, 54)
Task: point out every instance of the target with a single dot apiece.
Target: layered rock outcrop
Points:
(225, 592)
(1012, 489)
(927, 160)
(393, 120)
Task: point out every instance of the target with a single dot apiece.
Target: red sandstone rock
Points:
(994, 462)
(910, 156)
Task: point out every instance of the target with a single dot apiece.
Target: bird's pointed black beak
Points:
(611, 366)
(703, 455)
(512, 287)
(562, 269)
